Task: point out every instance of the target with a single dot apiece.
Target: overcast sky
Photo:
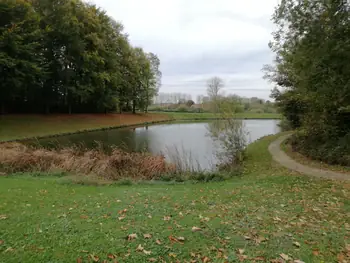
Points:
(198, 39)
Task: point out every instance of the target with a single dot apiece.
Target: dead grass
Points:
(16, 157)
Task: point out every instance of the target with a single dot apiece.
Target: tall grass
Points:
(16, 157)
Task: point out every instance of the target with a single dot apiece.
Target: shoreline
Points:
(170, 120)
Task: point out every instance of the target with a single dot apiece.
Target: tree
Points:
(214, 85)
(20, 57)
(70, 56)
(311, 45)
(189, 103)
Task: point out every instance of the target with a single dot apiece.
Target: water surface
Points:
(190, 140)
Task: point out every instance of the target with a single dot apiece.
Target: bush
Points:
(331, 150)
(182, 109)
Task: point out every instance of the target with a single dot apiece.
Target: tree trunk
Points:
(134, 106)
(70, 109)
(47, 108)
(2, 108)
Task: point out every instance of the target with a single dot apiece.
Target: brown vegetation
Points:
(16, 157)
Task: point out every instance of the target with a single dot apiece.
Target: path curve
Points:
(282, 158)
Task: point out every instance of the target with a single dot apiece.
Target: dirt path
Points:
(282, 158)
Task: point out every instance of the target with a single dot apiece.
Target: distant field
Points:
(24, 126)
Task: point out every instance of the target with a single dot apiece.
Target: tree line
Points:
(70, 56)
(311, 70)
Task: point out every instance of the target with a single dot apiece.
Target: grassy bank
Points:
(269, 214)
(287, 148)
(27, 126)
(204, 116)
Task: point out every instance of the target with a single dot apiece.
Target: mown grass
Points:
(206, 115)
(28, 126)
(255, 218)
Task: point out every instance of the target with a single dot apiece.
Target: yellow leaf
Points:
(297, 244)
(241, 251)
(196, 229)
(181, 239)
(147, 236)
(172, 255)
(147, 252)
(140, 248)
(284, 256)
(3, 217)
(132, 236)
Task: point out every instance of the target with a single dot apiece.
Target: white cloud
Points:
(198, 39)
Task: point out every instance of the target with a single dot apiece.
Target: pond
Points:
(190, 141)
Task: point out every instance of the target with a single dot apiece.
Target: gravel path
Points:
(282, 158)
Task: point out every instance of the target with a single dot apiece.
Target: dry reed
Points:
(16, 157)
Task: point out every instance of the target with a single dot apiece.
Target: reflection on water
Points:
(187, 138)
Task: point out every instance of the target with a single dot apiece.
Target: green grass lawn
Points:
(206, 115)
(27, 126)
(255, 218)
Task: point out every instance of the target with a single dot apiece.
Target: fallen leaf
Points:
(247, 238)
(84, 251)
(276, 218)
(147, 236)
(316, 252)
(341, 258)
(297, 244)
(147, 252)
(172, 255)
(182, 239)
(123, 211)
(277, 260)
(152, 259)
(196, 229)
(111, 256)
(3, 217)
(132, 236)
(79, 260)
(10, 249)
(121, 218)
(140, 248)
(298, 261)
(167, 218)
(180, 214)
(2, 242)
(347, 247)
(284, 256)
(84, 217)
(260, 239)
(94, 258)
(241, 251)
(259, 259)
(205, 259)
(158, 242)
